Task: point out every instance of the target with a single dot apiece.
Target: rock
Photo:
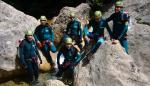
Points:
(138, 34)
(54, 83)
(144, 20)
(110, 66)
(13, 23)
(81, 11)
(45, 66)
(139, 46)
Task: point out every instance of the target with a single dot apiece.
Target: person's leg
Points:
(69, 74)
(36, 71)
(30, 72)
(60, 72)
(52, 48)
(124, 44)
(63, 68)
(46, 53)
(71, 70)
(98, 43)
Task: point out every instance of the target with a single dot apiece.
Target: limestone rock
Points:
(13, 23)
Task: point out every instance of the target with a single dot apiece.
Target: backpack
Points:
(125, 16)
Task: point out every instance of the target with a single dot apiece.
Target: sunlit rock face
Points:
(13, 23)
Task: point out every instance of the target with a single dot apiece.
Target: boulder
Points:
(138, 34)
(54, 83)
(13, 23)
(110, 66)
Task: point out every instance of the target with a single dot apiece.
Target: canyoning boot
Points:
(59, 75)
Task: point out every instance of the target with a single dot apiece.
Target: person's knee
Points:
(53, 48)
(100, 40)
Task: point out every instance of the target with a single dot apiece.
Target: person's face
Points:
(71, 18)
(68, 46)
(118, 9)
(97, 19)
(43, 22)
(29, 37)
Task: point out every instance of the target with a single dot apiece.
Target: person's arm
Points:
(80, 30)
(110, 18)
(77, 48)
(21, 53)
(38, 54)
(36, 37)
(67, 29)
(77, 58)
(125, 20)
(109, 30)
(36, 34)
(52, 34)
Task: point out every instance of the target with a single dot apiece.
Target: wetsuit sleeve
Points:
(52, 33)
(38, 54)
(21, 53)
(109, 30)
(110, 18)
(80, 29)
(58, 57)
(36, 34)
(67, 29)
(78, 56)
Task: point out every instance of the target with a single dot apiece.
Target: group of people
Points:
(71, 44)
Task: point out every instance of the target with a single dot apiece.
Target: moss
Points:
(12, 83)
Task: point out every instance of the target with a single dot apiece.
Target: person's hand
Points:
(87, 39)
(76, 46)
(39, 44)
(50, 43)
(114, 41)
